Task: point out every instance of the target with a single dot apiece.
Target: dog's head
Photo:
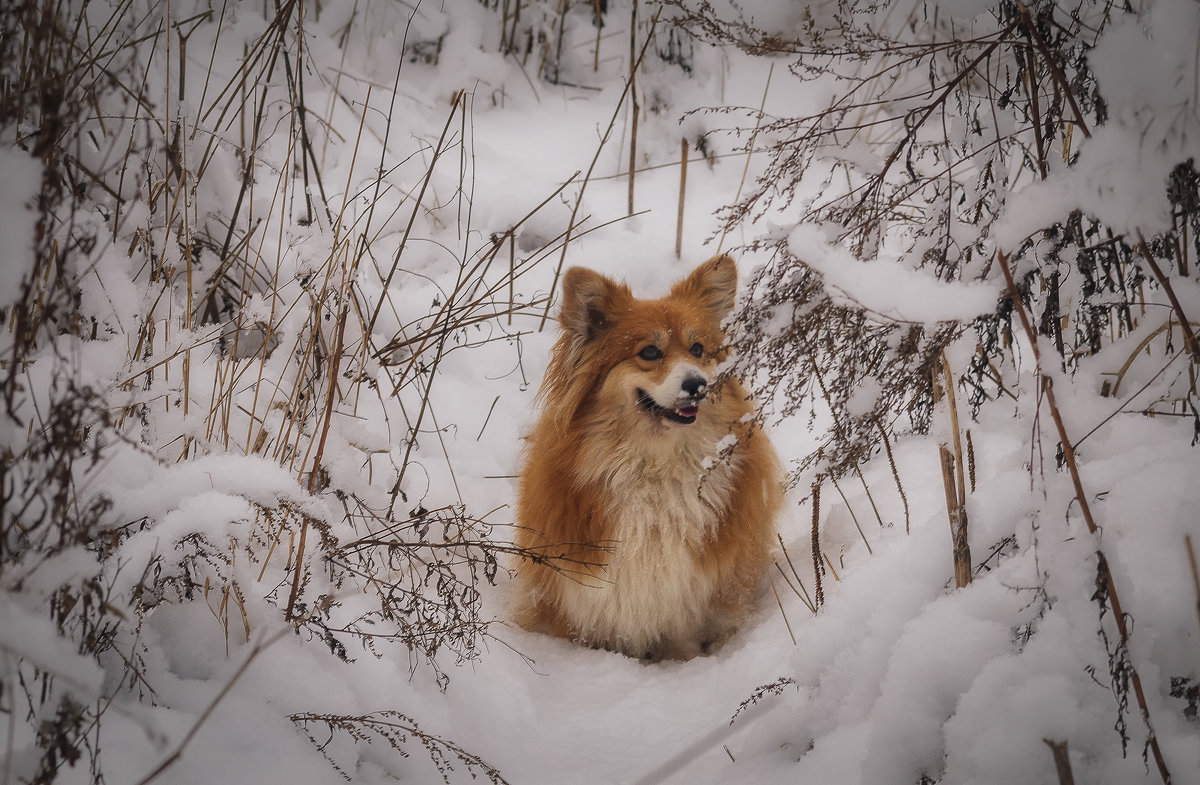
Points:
(643, 363)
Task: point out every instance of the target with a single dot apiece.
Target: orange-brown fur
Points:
(653, 538)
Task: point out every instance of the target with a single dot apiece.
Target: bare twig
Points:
(944, 94)
(783, 613)
(853, 517)
(177, 753)
(1062, 761)
(762, 105)
(437, 151)
(1189, 336)
(1129, 400)
(807, 599)
(1030, 26)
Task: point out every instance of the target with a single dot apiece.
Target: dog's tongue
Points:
(688, 411)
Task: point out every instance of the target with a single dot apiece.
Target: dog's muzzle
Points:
(693, 389)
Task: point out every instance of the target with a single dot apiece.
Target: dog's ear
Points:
(590, 301)
(712, 285)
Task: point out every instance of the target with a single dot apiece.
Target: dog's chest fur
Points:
(662, 510)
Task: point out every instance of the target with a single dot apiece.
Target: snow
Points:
(888, 287)
(898, 676)
(28, 635)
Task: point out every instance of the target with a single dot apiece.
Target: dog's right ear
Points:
(590, 301)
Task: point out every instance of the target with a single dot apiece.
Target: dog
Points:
(648, 495)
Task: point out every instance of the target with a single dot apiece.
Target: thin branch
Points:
(587, 177)
(1189, 336)
(1086, 511)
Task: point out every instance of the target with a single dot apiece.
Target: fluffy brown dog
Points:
(651, 544)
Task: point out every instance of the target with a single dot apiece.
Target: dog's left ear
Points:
(590, 300)
(712, 284)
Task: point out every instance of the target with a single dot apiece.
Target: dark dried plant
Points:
(124, 172)
(931, 124)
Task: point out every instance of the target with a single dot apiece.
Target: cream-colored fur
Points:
(665, 510)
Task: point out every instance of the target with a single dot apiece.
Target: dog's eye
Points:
(650, 352)
(697, 350)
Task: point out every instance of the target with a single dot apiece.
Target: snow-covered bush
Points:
(948, 132)
(981, 193)
(189, 305)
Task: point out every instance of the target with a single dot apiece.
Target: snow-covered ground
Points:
(899, 678)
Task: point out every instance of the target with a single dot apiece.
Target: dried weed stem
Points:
(1118, 614)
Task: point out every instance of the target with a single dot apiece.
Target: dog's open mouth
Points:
(684, 414)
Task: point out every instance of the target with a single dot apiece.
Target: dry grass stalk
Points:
(683, 162)
(437, 151)
(1115, 388)
(805, 598)
(953, 478)
(956, 432)
(853, 517)
(512, 271)
(887, 447)
(870, 496)
(832, 569)
(634, 62)
(391, 728)
(1062, 761)
(957, 515)
(783, 613)
(599, 30)
(331, 396)
(818, 568)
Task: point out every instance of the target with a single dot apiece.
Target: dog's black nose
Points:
(695, 386)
